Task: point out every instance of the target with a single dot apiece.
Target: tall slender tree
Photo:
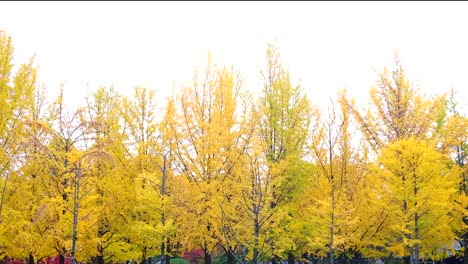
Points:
(454, 143)
(206, 134)
(337, 190)
(275, 167)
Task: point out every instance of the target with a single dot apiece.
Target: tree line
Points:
(265, 176)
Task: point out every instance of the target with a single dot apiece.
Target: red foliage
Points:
(15, 261)
(194, 255)
(56, 259)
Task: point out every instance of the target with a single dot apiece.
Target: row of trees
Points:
(261, 177)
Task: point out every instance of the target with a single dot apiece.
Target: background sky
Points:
(326, 46)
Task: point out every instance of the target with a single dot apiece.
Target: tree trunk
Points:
(100, 259)
(167, 258)
(61, 259)
(416, 236)
(168, 251)
(207, 257)
(164, 257)
(332, 215)
(75, 215)
(416, 224)
(230, 257)
(465, 245)
(411, 255)
(143, 256)
(31, 259)
(291, 258)
(163, 252)
(256, 235)
(408, 236)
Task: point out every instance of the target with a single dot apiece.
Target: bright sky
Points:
(325, 45)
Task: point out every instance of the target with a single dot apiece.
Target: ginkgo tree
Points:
(47, 178)
(205, 134)
(419, 187)
(337, 191)
(17, 109)
(104, 185)
(274, 170)
(398, 110)
(149, 148)
(454, 143)
(262, 177)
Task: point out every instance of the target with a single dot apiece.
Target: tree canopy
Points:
(218, 170)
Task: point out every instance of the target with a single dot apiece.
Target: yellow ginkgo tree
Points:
(337, 191)
(454, 144)
(205, 133)
(419, 188)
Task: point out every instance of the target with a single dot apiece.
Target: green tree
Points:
(281, 119)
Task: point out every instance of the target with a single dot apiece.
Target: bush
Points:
(179, 261)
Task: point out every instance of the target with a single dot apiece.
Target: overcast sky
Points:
(325, 45)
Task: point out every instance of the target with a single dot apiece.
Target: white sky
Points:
(325, 45)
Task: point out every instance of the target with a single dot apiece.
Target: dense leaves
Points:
(218, 174)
